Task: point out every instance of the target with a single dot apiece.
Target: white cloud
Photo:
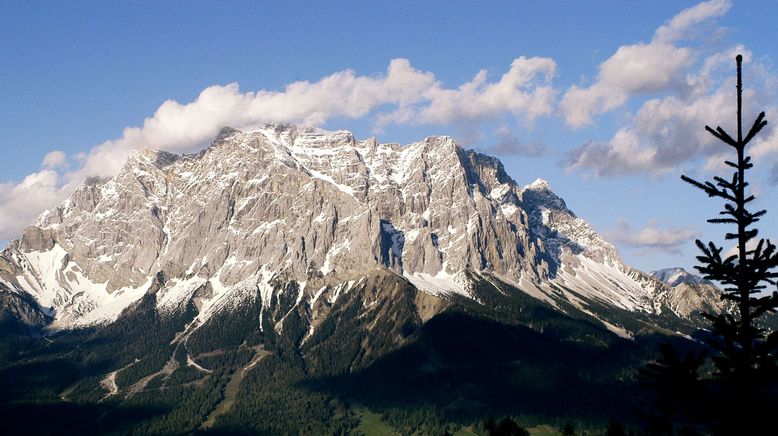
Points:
(188, 127)
(621, 156)
(509, 144)
(664, 133)
(417, 97)
(766, 144)
(21, 202)
(54, 159)
(524, 91)
(669, 131)
(401, 95)
(652, 237)
(633, 69)
(640, 68)
(679, 25)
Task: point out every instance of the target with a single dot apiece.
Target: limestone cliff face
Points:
(690, 295)
(688, 299)
(261, 209)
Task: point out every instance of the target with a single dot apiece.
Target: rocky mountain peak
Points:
(538, 185)
(150, 156)
(676, 276)
(310, 210)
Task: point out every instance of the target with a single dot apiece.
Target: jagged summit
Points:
(676, 276)
(689, 293)
(147, 155)
(278, 206)
(538, 185)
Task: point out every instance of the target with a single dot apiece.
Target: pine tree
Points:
(746, 353)
(508, 427)
(679, 395)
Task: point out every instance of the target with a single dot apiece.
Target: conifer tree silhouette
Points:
(745, 353)
(680, 396)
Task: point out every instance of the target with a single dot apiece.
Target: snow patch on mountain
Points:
(676, 276)
(607, 284)
(281, 204)
(440, 284)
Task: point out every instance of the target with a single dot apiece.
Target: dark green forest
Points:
(522, 358)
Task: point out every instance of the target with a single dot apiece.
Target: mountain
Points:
(296, 263)
(676, 276)
(314, 208)
(691, 295)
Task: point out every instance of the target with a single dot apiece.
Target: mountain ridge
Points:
(676, 275)
(430, 211)
(311, 270)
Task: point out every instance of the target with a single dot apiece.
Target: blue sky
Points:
(605, 100)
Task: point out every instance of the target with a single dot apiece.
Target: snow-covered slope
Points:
(586, 268)
(262, 209)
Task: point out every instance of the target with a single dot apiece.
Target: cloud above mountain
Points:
(664, 91)
(55, 159)
(21, 202)
(638, 69)
(667, 132)
(413, 96)
(508, 144)
(652, 237)
(678, 85)
(402, 95)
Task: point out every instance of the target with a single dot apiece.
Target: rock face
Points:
(688, 299)
(19, 314)
(690, 294)
(285, 209)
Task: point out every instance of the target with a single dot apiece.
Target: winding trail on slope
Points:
(109, 381)
(192, 363)
(232, 388)
(139, 386)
